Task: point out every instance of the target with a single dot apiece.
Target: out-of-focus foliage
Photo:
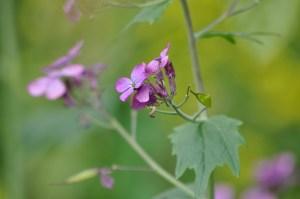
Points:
(42, 144)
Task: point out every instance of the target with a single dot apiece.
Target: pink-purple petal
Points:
(124, 96)
(224, 191)
(153, 67)
(164, 61)
(143, 94)
(105, 178)
(74, 70)
(123, 84)
(165, 51)
(138, 75)
(38, 87)
(136, 104)
(56, 89)
(62, 61)
(71, 11)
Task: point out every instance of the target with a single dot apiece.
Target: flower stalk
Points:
(151, 163)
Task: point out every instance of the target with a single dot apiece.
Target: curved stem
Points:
(193, 47)
(152, 164)
(180, 112)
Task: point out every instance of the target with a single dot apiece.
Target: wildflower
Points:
(71, 11)
(224, 191)
(127, 86)
(258, 193)
(157, 64)
(147, 82)
(51, 86)
(105, 178)
(61, 77)
(276, 172)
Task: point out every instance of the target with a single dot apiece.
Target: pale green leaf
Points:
(149, 14)
(82, 176)
(203, 98)
(204, 146)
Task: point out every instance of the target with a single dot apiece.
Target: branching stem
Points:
(151, 163)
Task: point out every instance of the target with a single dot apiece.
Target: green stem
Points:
(10, 107)
(133, 120)
(152, 164)
(195, 60)
(193, 47)
(180, 112)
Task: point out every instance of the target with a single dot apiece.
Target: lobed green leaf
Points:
(149, 14)
(206, 145)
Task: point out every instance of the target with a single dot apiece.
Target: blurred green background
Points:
(42, 142)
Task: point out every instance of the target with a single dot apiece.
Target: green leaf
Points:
(203, 98)
(174, 193)
(149, 14)
(206, 145)
(232, 36)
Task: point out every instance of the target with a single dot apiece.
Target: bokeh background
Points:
(42, 142)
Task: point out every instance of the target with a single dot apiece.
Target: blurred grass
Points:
(258, 84)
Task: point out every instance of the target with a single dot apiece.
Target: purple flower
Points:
(276, 172)
(147, 82)
(145, 96)
(71, 11)
(157, 64)
(127, 86)
(224, 191)
(258, 193)
(105, 178)
(51, 86)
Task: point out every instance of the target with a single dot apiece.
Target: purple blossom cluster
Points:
(272, 177)
(62, 76)
(147, 83)
(277, 172)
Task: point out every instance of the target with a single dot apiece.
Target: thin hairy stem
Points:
(180, 112)
(148, 159)
(193, 47)
(220, 19)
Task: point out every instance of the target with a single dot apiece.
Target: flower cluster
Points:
(147, 82)
(277, 172)
(62, 76)
(272, 176)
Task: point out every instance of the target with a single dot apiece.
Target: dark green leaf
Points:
(202, 147)
(149, 14)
